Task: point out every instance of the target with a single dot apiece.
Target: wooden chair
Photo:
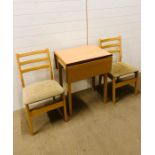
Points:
(121, 74)
(42, 90)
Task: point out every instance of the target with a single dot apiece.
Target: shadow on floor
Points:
(78, 106)
(121, 92)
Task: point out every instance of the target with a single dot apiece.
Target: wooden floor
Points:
(94, 129)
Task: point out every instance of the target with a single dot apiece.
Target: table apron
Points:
(85, 70)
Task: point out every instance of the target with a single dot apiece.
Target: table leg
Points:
(60, 74)
(69, 97)
(93, 83)
(105, 87)
(100, 80)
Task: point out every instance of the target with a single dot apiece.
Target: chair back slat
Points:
(44, 57)
(32, 53)
(34, 68)
(110, 39)
(113, 51)
(33, 61)
(108, 43)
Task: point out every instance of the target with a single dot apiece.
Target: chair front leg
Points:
(29, 119)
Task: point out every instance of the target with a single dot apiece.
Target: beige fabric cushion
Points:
(41, 90)
(121, 69)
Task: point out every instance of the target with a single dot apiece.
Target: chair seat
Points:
(121, 69)
(41, 90)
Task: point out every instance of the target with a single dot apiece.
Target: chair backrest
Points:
(43, 56)
(112, 45)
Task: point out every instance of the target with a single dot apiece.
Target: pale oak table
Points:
(83, 62)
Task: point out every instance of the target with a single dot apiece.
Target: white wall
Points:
(117, 17)
(59, 24)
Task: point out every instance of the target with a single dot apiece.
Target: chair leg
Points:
(100, 80)
(65, 109)
(114, 90)
(29, 119)
(136, 83)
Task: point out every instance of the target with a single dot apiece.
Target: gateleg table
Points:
(83, 62)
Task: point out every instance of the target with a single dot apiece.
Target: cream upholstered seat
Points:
(35, 95)
(41, 90)
(121, 69)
